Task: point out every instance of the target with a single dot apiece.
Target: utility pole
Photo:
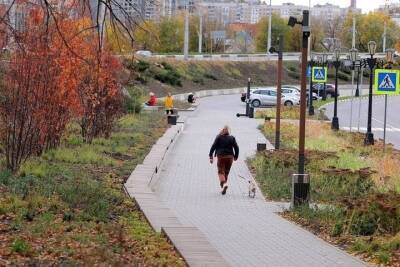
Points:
(186, 37)
(309, 21)
(300, 182)
(200, 33)
(353, 42)
(269, 26)
(384, 38)
(279, 95)
(302, 133)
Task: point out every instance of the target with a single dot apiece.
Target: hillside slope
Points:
(162, 76)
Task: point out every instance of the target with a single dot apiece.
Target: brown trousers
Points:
(224, 165)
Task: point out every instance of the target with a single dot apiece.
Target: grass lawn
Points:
(68, 206)
(293, 113)
(355, 189)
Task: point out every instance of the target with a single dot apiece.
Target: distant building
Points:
(392, 10)
(353, 4)
(330, 12)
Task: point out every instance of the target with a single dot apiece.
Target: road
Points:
(245, 231)
(359, 111)
(287, 56)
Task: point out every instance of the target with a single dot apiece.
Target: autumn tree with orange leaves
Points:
(55, 73)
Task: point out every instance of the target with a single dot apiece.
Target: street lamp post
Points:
(278, 90)
(269, 27)
(354, 58)
(324, 61)
(301, 186)
(336, 64)
(369, 137)
(310, 93)
(248, 97)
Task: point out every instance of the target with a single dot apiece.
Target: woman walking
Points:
(227, 150)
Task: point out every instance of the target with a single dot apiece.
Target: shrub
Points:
(294, 75)
(101, 98)
(133, 104)
(168, 76)
(210, 76)
(20, 246)
(141, 65)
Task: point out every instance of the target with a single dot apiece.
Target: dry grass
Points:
(349, 147)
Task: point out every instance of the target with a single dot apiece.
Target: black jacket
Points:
(225, 145)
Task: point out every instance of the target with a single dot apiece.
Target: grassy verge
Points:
(68, 206)
(355, 189)
(293, 113)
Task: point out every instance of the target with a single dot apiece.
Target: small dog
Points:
(252, 187)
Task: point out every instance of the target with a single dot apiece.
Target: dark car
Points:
(319, 88)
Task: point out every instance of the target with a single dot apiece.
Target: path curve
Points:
(246, 232)
(359, 118)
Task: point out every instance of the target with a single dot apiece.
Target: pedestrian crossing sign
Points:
(319, 74)
(386, 82)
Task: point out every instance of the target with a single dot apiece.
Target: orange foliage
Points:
(56, 72)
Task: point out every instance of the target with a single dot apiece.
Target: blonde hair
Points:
(225, 130)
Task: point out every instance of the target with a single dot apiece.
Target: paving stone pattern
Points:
(245, 231)
(191, 243)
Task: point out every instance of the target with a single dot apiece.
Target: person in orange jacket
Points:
(169, 104)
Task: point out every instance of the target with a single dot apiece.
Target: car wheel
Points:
(329, 96)
(288, 103)
(256, 103)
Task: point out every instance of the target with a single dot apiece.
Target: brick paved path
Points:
(245, 231)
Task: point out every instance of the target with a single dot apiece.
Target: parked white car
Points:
(294, 90)
(267, 97)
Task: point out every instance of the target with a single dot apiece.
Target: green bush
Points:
(142, 66)
(20, 246)
(294, 75)
(168, 76)
(210, 76)
(134, 103)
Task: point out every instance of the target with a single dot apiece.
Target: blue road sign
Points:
(386, 82)
(319, 74)
(308, 72)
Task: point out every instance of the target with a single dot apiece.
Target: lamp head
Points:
(337, 54)
(371, 47)
(324, 57)
(292, 21)
(389, 55)
(353, 54)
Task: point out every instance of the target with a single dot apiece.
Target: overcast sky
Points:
(363, 4)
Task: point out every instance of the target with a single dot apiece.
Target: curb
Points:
(188, 241)
(205, 93)
(349, 99)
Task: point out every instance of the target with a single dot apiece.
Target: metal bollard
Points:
(251, 112)
(172, 119)
(300, 189)
(261, 147)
